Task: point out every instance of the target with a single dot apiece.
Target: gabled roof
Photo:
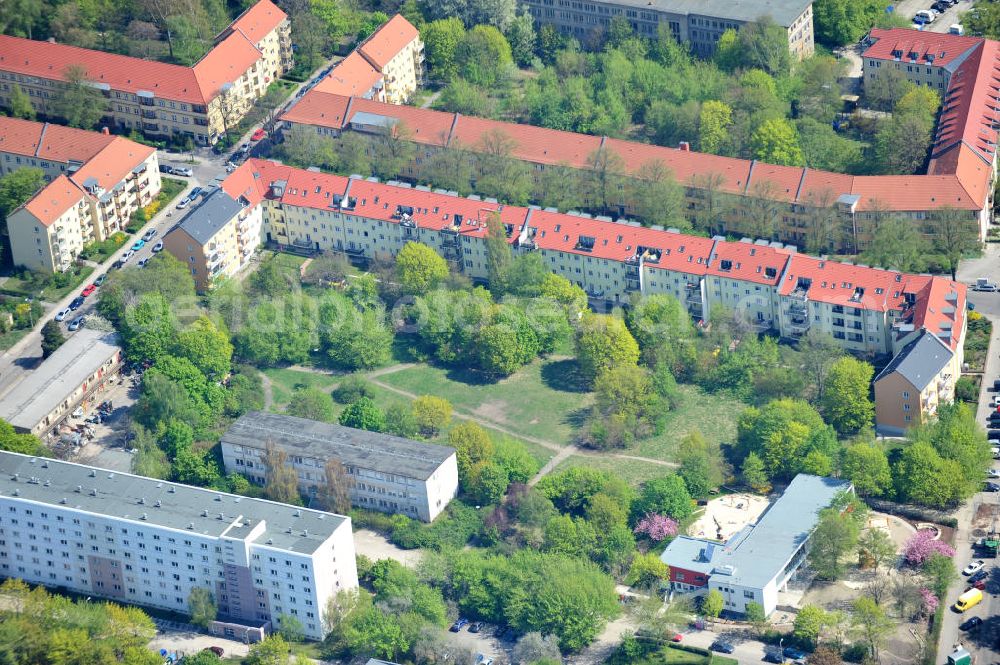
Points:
(259, 20)
(224, 63)
(113, 163)
(353, 76)
(920, 361)
(50, 142)
(930, 48)
(386, 42)
(53, 200)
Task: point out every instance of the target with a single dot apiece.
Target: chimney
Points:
(104, 130)
(684, 146)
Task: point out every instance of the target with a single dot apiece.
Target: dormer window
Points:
(725, 265)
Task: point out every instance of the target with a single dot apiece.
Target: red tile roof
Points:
(50, 142)
(386, 42)
(259, 20)
(114, 163)
(54, 199)
(530, 143)
(224, 63)
(749, 262)
(931, 48)
(353, 76)
(423, 125)
(320, 109)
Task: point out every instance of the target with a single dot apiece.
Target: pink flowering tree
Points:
(656, 526)
(922, 545)
(929, 601)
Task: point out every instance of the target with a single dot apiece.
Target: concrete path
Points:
(265, 383)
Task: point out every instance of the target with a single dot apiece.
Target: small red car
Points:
(677, 637)
(88, 290)
(978, 584)
(258, 135)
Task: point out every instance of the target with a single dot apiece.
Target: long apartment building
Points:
(97, 182)
(386, 473)
(699, 23)
(387, 67)
(157, 98)
(807, 201)
(869, 311)
(149, 542)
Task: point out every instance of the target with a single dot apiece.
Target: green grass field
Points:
(714, 416)
(536, 401)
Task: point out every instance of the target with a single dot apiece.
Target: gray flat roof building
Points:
(210, 215)
(759, 559)
(388, 473)
(51, 392)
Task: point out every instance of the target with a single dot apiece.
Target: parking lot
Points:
(941, 23)
(107, 447)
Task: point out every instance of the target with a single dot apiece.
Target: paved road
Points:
(908, 8)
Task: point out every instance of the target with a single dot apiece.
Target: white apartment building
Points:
(99, 181)
(388, 473)
(149, 542)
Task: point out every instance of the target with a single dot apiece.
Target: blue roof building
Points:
(757, 562)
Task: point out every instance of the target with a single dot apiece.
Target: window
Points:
(906, 395)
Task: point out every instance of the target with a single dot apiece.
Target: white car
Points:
(158, 247)
(974, 567)
(183, 170)
(183, 204)
(995, 401)
(62, 314)
(993, 473)
(127, 255)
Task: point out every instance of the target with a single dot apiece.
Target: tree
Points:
(923, 545)
(842, 22)
(755, 617)
(272, 650)
(441, 39)
(52, 337)
(656, 196)
(955, 234)
(700, 464)
(498, 255)
(484, 56)
(603, 342)
(521, 36)
(713, 604)
(202, 607)
(665, 495)
(208, 347)
(897, 244)
(713, 125)
(79, 102)
(755, 475)
(845, 403)
(534, 647)
(867, 467)
(940, 571)
(311, 403)
(281, 480)
(808, 623)
(763, 44)
(334, 495)
(922, 476)
(355, 337)
(776, 142)
(876, 547)
(301, 146)
(432, 414)
(20, 104)
(836, 534)
(657, 527)
(872, 625)
(419, 268)
(819, 352)
(363, 414)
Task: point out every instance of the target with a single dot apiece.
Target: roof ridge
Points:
(41, 138)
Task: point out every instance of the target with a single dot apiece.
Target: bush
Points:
(966, 390)
(453, 529)
(352, 388)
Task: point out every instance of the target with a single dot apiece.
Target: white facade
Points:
(146, 542)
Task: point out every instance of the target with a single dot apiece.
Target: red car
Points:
(677, 637)
(258, 135)
(978, 584)
(88, 290)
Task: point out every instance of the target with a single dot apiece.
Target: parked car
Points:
(62, 314)
(101, 279)
(164, 168)
(974, 567)
(183, 204)
(924, 16)
(138, 244)
(722, 646)
(258, 135)
(794, 653)
(194, 193)
(978, 576)
(183, 170)
(993, 473)
(677, 637)
(88, 290)
(978, 584)
(158, 247)
(774, 655)
(141, 263)
(126, 256)
(475, 626)
(971, 624)
(148, 235)
(76, 323)
(459, 625)
(991, 487)
(76, 303)
(940, 6)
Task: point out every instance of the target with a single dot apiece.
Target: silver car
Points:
(63, 313)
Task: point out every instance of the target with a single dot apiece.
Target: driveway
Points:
(908, 8)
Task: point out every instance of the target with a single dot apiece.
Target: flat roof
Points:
(758, 553)
(352, 447)
(784, 12)
(57, 377)
(169, 505)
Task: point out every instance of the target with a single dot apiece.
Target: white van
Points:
(956, 29)
(923, 17)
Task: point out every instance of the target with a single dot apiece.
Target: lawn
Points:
(9, 339)
(539, 400)
(634, 472)
(50, 288)
(713, 415)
